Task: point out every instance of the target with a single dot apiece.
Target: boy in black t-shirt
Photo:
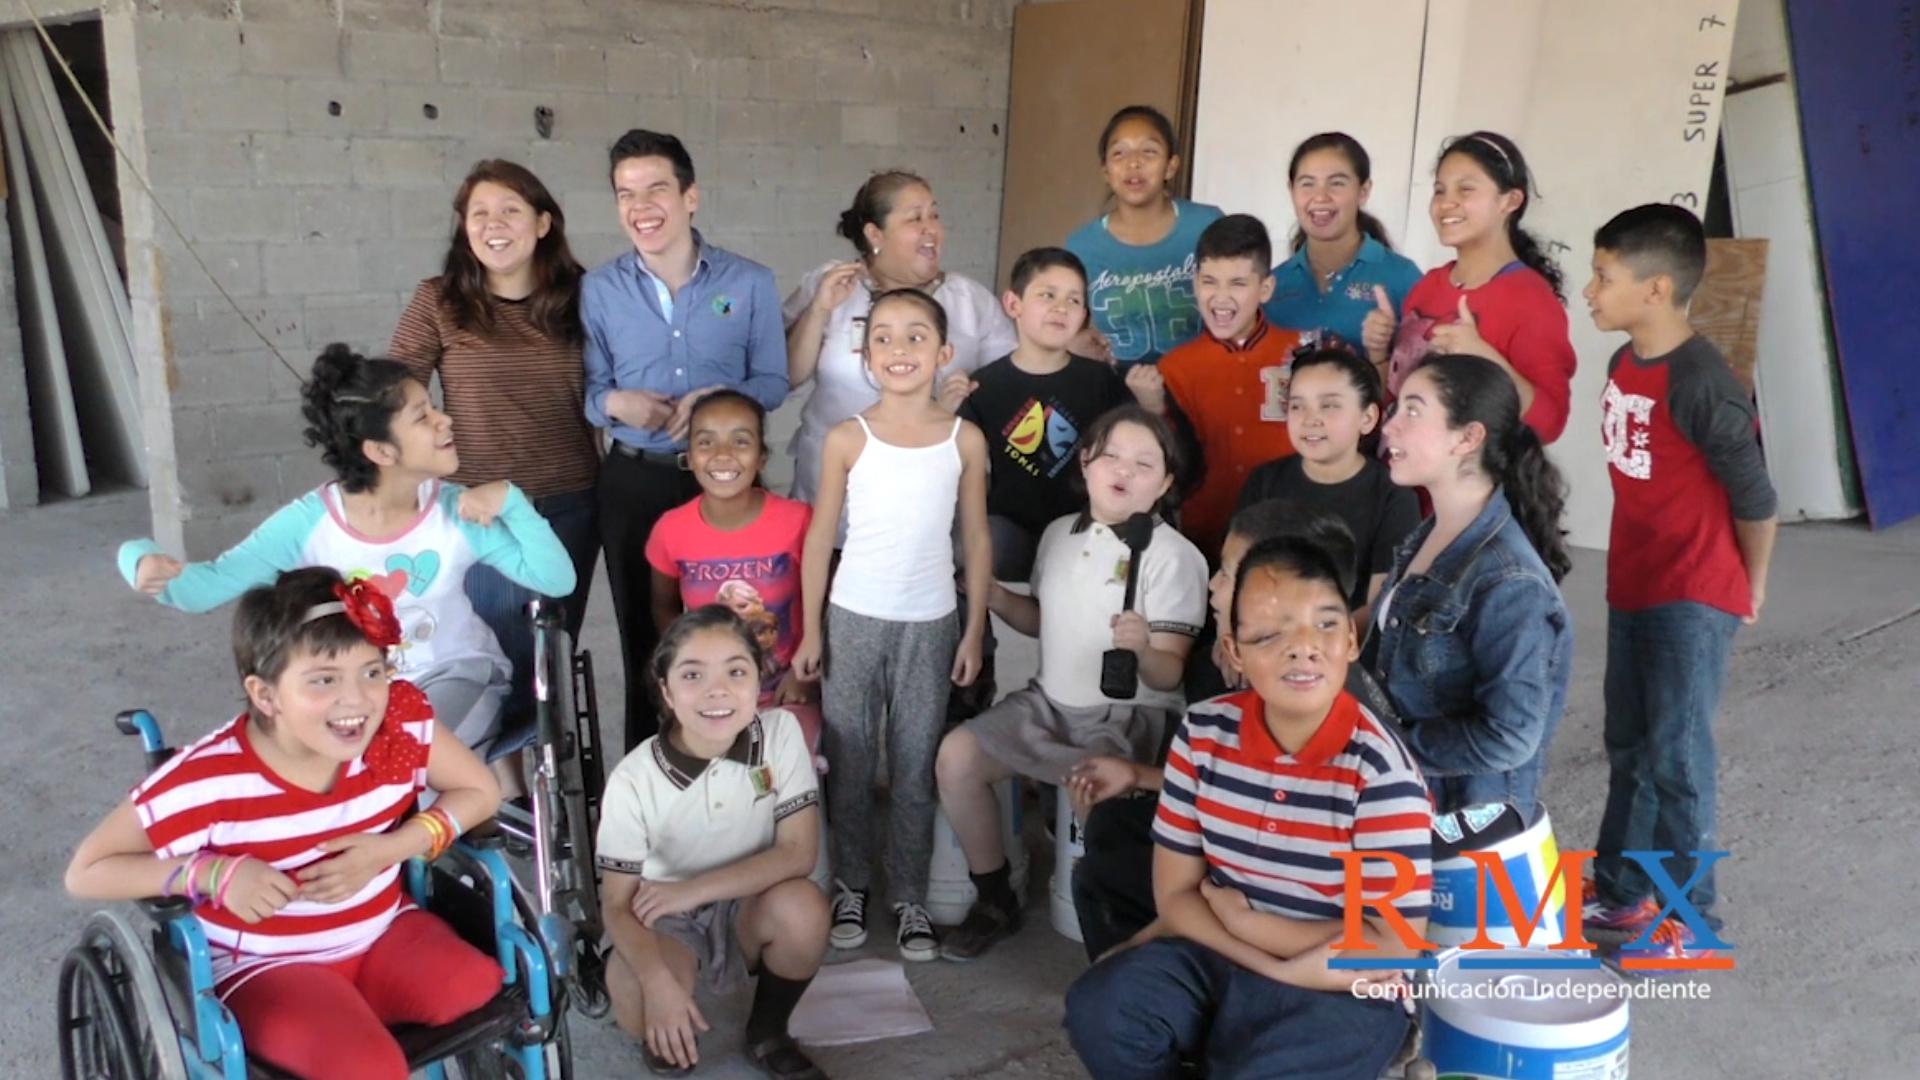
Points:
(1034, 403)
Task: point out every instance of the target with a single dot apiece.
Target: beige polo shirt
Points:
(668, 817)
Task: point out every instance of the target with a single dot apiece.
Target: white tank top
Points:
(897, 563)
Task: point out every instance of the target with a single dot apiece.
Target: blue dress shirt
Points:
(722, 328)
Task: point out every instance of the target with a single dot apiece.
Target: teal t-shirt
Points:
(1298, 303)
(1141, 296)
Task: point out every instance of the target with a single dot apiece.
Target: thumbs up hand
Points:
(1376, 333)
(1463, 337)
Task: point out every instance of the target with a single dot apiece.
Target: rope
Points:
(101, 123)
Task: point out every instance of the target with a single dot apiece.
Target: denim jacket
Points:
(1476, 654)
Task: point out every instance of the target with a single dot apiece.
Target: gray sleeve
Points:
(1714, 413)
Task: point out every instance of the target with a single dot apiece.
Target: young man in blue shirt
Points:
(666, 323)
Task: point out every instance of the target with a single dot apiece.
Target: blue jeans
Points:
(502, 605)
(1137, 1015)
(1665, 669)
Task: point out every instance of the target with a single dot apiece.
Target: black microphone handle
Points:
(1133, 578)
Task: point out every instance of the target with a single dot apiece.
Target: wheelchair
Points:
(137, 1000)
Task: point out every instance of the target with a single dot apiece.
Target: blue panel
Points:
(1856, 67)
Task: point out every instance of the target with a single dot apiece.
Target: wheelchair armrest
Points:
(166, 909)
(485, 836)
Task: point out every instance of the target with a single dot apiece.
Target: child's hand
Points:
(1759, 599)
(257, 890)
(794, 690)
(835, 286)
(153, 572)
(1131, 632)
(673, 1020)
(806, 659)
(954, 390)
(1149, 389)
(657, 898)
(480, 505)
(1098, 779)
(1093, 345)
(353, 861)
(966, 661)
(1376, 333)
(1462, 337)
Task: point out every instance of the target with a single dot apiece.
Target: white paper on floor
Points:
(858, 1002)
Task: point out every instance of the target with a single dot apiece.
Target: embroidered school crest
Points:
(723, 306)
(1120, 567)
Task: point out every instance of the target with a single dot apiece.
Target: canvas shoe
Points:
(849, 917)
(1615, 920)
(915, 938)
(1671, 940)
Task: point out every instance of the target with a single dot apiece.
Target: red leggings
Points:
(329, 1021)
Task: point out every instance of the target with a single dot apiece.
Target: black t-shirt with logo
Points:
(1033, 425)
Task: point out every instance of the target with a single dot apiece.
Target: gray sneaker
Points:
(916, 939)
(849, 917)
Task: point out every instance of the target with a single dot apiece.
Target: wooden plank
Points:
(1074, 64)
(86, 282)
(56, 426)
(1726, 306)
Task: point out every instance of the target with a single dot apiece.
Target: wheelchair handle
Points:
(141, 722)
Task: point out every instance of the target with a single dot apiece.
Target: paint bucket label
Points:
(1525, 1023)
(1460, 1056)
(1530, 858)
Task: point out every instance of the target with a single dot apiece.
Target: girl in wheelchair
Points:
(708, 832)
(389, 519)
(286, 829)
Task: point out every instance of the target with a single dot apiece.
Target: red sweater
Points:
(1518, 315)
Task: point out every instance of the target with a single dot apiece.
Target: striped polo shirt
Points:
(217, 795)
(516, 396)
(1268, 823)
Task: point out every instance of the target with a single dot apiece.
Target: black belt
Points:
(673, 459)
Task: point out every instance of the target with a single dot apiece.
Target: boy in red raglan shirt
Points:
(1693, 529)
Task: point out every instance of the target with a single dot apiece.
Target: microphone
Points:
(1120, 668)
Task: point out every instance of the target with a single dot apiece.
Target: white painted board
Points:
(56, 427)
(1270, 76)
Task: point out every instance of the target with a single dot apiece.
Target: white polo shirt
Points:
(1080, 579)
(667, 817)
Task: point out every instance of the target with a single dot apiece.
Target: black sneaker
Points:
(986, 925)
(849, 917)
(915, 938)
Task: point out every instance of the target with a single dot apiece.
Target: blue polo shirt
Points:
(1298, 303)
(722, 328)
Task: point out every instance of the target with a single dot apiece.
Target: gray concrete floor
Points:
(1818, 767)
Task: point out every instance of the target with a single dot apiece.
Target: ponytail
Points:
(1473, 389)
(1501, 160)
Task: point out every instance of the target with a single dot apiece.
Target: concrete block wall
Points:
(309, 149)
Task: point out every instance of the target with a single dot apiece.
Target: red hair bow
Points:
(369, 610)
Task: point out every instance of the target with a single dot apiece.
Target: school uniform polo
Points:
(669, 817)
(1234, 394)
(1298, 304)
(1269, 823)
(1080, 579)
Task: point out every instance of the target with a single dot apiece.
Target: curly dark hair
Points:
(347, 400)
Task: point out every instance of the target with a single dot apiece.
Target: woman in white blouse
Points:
(895, 226)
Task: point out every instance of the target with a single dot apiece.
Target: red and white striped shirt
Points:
(218, 795)
(1268, 822)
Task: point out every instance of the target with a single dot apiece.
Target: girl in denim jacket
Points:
(1471, 638)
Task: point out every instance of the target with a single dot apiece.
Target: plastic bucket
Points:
(950, 892)
(1530, 858)
(1508, 1024)
(1068, 846)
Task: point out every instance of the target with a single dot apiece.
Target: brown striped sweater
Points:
(515, 395)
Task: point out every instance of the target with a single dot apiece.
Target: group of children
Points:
(1083, 500)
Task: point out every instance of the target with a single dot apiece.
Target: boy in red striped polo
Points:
(286, 829)
(1264, 789)
(1693, 528)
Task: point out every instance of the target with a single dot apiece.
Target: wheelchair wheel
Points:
(115, 1023)
(487, 1063)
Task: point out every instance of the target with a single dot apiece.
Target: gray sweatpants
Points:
(885, 679)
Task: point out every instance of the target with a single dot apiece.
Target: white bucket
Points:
(1519, 1024)
(1068, 846)
(950, 892)
(1530, 858)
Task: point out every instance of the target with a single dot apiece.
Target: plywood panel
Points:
(1726, 307)
(1269, 79)
(1856, 68)
(1074, 64)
